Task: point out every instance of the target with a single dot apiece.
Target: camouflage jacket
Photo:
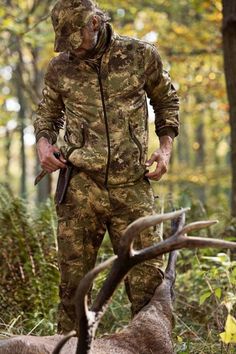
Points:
(105, 109)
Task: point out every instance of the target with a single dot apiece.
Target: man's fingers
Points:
(154, 175)
(58, 155)
(62, 159)
(158, 173)
(152, 159)
(58, 162)
(51, 163)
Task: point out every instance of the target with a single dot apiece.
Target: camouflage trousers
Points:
(87, 212)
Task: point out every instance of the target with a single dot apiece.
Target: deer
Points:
(150, 331)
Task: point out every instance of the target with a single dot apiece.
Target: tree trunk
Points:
(7, 154)
(200, 138)
(45, 186)
(21, 118)
(229, 47)
(183, 150)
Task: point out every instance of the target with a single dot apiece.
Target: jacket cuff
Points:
(48, 135)
(168, 131)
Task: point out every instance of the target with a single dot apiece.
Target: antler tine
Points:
(63, 341)
(87, 320)
(200, 242)
(169, 271)
(82, 305)
(198, 225)
(178, 241)
(178, 223)
(141, 224)
(85, 285)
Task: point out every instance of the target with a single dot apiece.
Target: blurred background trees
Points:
(191, 41)
(188, 34)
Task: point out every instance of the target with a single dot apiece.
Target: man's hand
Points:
(48, 161)
(162, 157)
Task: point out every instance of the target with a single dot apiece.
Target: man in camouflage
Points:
(98, 85)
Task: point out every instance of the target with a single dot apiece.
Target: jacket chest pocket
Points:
(124, 84)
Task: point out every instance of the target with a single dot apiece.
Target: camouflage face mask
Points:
(68, 19)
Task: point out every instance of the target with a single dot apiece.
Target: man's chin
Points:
(80, 53)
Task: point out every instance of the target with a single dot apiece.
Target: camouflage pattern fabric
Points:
(68, 17)
(105, 110)
(88, 210)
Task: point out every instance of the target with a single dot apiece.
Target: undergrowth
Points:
(28, 267)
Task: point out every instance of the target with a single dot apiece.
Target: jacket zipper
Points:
(106, 125)
(137, 143)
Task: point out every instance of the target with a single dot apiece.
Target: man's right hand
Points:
(48, 161)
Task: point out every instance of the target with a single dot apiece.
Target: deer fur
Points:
(151, 329)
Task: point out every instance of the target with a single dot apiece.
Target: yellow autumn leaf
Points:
(179, 339)
(230, 325)
(229, 336)
(225, 337)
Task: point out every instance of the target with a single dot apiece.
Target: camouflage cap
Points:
(68, 17)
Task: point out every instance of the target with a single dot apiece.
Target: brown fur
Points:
(149, 332)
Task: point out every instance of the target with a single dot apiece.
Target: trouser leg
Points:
(128, 204)
(80, 233)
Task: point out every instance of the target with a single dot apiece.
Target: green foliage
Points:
(205, 292)
(29, 275)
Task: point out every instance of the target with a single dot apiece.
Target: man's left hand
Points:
(161, 157)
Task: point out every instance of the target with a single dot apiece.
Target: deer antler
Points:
(85, 285)
(128, 257)
(181, 240)
(88, 321)
(126, 254)
(63, 341)
(134, 229)
(83, 315)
